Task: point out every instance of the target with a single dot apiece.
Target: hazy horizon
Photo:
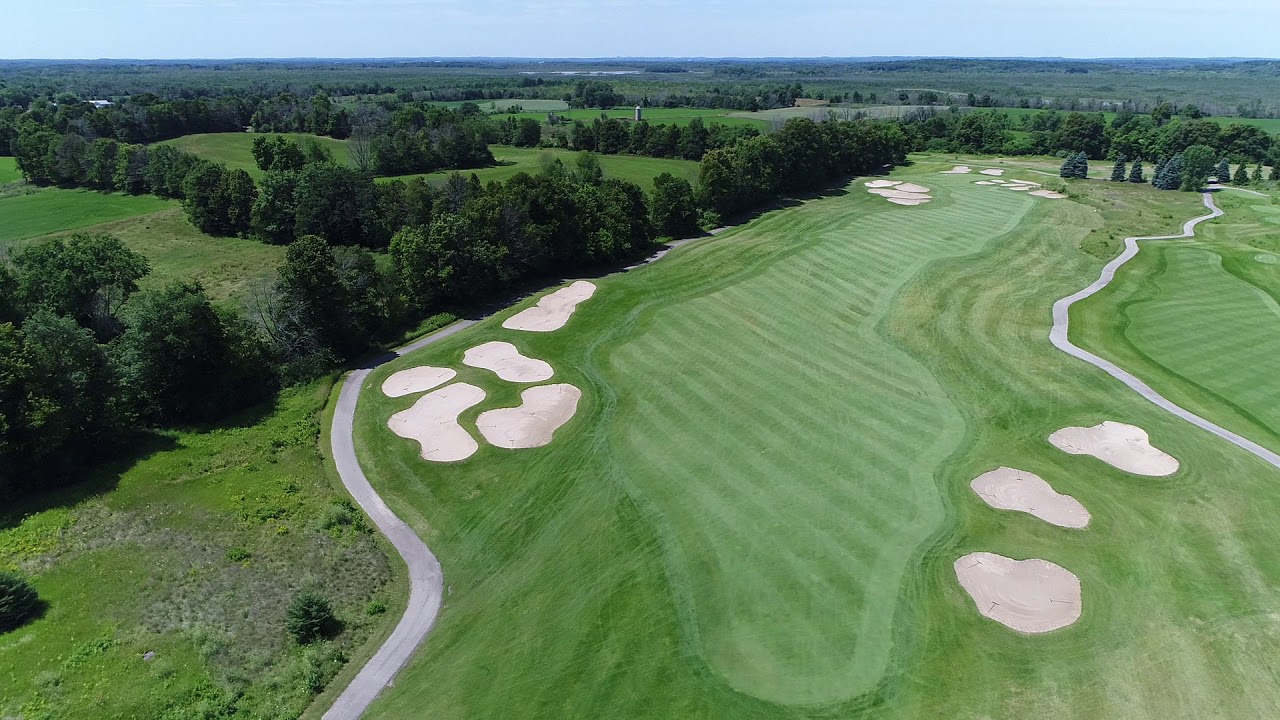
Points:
(605, 29)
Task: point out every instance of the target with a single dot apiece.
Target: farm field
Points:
(191, 550)
(637, 169)
(235, 150)
(755, 511)
(1218, 291)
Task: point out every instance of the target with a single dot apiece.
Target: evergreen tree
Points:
(1242, 175)
(1135, 172)
(1118, 172)
(1223, 172)
(1068, 167)
(1257, 174)
(1159, 170)
(1170, 175)
(1275, 170)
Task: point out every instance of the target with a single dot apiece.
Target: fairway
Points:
(53, 210)
(756, 509)
(512, 160)
(235, 150)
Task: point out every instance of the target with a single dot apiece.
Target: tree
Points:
(1257, 175)
(1275, 170)
(239, 195)
(338, 204)
(204, 199)
(1198, 162)
(1135, 172)
(1223, 171)
(1075, 166)
(1170, 176)
(275, 208)
(1083, 132)
(18, 601)
(587, 168)
(672, 208)
(1118, 171)
(87, 277)
(1242, 175)
(310, 617)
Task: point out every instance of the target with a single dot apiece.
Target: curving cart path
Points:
(1058, 336)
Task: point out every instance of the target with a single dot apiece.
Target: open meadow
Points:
(235, 150)
(755, 510)
(512, 160)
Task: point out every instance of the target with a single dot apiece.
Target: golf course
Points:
(755, 509)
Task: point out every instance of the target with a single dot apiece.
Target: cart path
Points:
(1058, 336)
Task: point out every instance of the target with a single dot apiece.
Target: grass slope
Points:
(191, 550)
(654, 115)
(755, 512)
(512, 160)
(9, 170)
(52, 210)
(235, 150)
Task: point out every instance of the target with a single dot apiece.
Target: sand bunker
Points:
(986, 182)
(1030, 596)
(896, 193)
(909, 201)
(505, 359)
(992, 172)
(1019, 188)
(552, 311)
(543, 410)
(912, 188)
(882, 183)
(433, 423)
(958, 170)
(1009, 489)
(1047, 194)
(1124, 446)
(416, 380)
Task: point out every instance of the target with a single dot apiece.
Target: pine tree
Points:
(1068, 167)
(1223, 172)
(1155, 174)
(1118, 172)
(1242, 175)
(1275, 170)
(1135, 172)
(1257, 174)
(1082, 166)
(1170, 175)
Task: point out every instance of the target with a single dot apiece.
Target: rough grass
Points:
(755, 512)
(655, 116)
(512, 160)
(9, 170)
(235, 150)
(53, 210)
(191, 550)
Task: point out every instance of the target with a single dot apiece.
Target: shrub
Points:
(310, 617)
(18, 601)
(376, 607)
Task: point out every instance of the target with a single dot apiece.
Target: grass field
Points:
(192, 550)
(235, 150)
(655, 116)
(637, 169)
(50, 211)
(504, 105)
(1199, 321)
(9, 170)
(755, 511)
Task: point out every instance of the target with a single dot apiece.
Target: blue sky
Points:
(610, 28)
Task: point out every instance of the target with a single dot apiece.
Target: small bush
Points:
(310, 617)
(18, 601)
(237, 554)
(377, 607)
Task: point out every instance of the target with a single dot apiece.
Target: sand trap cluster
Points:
(1127, 447)
(1027, 186)
(416, 380)
(1009, 489)
(543, 410)
(994, 172)
(552, 311)
(1029, 596)
(433, 423)
(1047, 194)
(898, 192)
(958, 170)
(505, 360)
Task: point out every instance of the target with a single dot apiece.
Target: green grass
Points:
(529, 106)
(9, 170)
(637, 169)
(655, 116)
(139, 558)
(755, 511)
(52, 210)
(235, 150)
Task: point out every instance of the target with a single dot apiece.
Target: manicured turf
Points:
(9, 170)
(640, 170)
(52, 210)
(235, 150)
(755, 512)
(1198, 319)
(191, 550)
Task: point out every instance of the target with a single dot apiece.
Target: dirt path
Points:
(1058, 336)
(426, 580)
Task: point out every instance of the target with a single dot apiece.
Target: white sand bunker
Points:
(992, 172)
(882, 183)
(912, 188)
(552, 311)
(543, 410)
(1124, 446)
(505, 359)
(433, 423)
(909, 201)
(897, 193)
(1030, 596)
(958, 170)
(1047, 194)
(1009, 489)
(416, 380)
(986, 182)
(1018, 187)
